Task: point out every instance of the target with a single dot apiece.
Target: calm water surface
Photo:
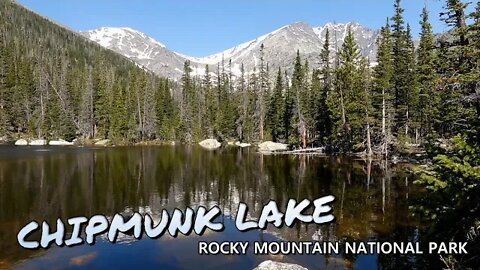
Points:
(48, 183)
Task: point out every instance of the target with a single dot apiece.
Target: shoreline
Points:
(415, 157)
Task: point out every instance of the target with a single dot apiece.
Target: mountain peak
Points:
(280, 45)
(300, 24)
(106, 35)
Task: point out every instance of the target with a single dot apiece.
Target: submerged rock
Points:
(21, 142)
(39, 142)
(242, 145)
(102, 143)
(271, 265)
(60, 143)
(272, 147)
(210, 144)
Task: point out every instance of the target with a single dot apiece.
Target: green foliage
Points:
(69, 87)
(275, 108)
(452, 204)
(453, 182)
(322, 82)
(348, 102)
(429, 97)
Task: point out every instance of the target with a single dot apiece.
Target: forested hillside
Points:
(414, 95)
(55, 84)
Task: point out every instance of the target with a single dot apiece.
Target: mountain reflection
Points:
(45, 184)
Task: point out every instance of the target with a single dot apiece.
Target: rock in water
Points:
(102, 143)
(242, 145)
(60, 143)
(272, 147)
(271, 265)
(210, 144)
(39, 142)
(21, 142)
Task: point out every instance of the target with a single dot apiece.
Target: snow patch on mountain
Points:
(280, 50)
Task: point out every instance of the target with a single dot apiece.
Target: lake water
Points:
(46, 183)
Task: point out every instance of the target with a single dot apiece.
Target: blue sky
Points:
(204, 27)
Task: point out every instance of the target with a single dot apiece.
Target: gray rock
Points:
(102, 143)
(242, 145)
(39, 142)
(21, 142)
(60, 143)
(272, 147)
(210, 144)
(271, 265)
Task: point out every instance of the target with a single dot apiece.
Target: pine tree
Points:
(244, 102)
(400, 64)
(288, 113)
(210, 103)
(342, 101)
(383, 93)
(3, 87)
(101, 101)
(275, 109)
(365, 101)
(323, 121)
(411, 88)
(459, 82)
(186, 107)
(262, 94)
(428, 96)
(119, 123)
(298, 122)
(167, 117)
(473, 34)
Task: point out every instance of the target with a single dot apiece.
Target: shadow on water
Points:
(48, 183)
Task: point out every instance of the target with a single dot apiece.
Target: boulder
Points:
(272, 147)
(102, 143)
(271, 265)
(21, 142)
(210, 144)
(39, 142)
(242, 145)
(60, 143)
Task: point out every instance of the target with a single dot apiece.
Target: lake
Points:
(46, 183)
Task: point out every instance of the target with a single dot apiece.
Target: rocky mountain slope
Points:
(280, 48)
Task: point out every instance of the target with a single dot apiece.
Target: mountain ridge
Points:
(280, 48)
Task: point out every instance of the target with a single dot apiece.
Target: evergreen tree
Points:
(411, 95)
(275, 109)
(343, 101)
(382, 97)
(261, 95)
(459, 82)
(288, 113)
(298, 122)
(186, 107)
(167, 117)
(428, 96)
(244, 102)
(100, 100)
(400, 66)
(453, 180)
(119, 123)
(3, 87)
(323, 121)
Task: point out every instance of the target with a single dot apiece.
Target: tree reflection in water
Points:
(68, 182)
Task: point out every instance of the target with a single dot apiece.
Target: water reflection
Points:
(45, 184)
